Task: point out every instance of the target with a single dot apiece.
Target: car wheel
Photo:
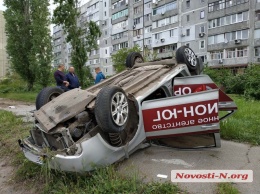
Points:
(112, 109)
(133, 58)
(185, 55)
(46, 95)
(200, 66)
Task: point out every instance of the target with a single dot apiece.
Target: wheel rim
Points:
(138, 60)
(53, 96)
(119, 108)
(191, 57)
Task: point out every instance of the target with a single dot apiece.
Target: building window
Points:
(105, 4)
(202, 44)
(187, 32)
(148, 29)
(137, 21)
(242, 52)
(202, 14)
(257, 50)
(120, 14)
(216, 55)
(257, 34)
(106, 51)
(106, 60)
(188, 18)
(165, 21)
(216, 39)
(222, 4)
(157, 36)
(138, 32)
(240, 34)
(138, 10)
(187, 4)
(173, 33)
(119, 4)
(147, 17)
(105, 41)
(227, 20)
(202, 29)
(164, 8)
(231, 53)
(257, 15)
(105, 13)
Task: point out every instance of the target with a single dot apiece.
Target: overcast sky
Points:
(2, 7)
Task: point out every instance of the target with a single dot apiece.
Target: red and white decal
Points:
(197, 113)
(183, 115)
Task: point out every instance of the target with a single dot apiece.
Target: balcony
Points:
(228, 28)
(230, 44)
(228, 11)
(239, 61)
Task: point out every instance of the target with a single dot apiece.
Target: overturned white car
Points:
(148, 102)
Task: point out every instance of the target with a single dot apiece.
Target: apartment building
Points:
(4, 65)
(233, 33)
(222, 32)
(99, 12)
(194, 26)
(59, 46)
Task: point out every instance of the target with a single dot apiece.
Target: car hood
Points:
(62, 108)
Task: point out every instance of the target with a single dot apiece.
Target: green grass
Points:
(14, 88)
(226, 188)
(21, 96)
(243, 126)
(104, 180)
(11, 129)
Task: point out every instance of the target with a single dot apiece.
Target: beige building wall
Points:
(3, 56)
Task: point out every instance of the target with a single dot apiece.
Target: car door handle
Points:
(208, 126)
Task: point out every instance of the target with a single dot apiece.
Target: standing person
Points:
(100, 76)
(61, 78)
(72, 78)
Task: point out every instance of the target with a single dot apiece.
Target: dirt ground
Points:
(7, 185)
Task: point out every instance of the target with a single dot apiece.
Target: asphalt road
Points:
(150, 162)
(156, 160)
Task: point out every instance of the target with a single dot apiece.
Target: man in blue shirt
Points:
(100, 76)
(72, 79)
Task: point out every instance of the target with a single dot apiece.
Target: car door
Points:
(195, 113)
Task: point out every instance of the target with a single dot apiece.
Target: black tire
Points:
(46, 95)
(189, 59)
(200, 66)
(128, 59)
(132, 58)
(103, 109)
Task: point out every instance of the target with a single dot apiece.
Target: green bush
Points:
(252, 85)
(235, 84)
(246, 84)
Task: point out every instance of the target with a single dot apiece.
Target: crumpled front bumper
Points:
(30, 154)
(95, 152)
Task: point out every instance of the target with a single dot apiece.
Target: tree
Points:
(82, 37)
(41, 40)
(27, 38)
(119, 58)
